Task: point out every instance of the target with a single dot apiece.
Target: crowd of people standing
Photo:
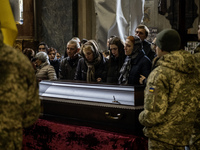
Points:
(171, 115)
(125, 63)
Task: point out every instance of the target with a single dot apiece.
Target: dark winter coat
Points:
(56, 64)
(148, 51)
(141, 65)
(113, 70)
(100, 70)
(68, 68)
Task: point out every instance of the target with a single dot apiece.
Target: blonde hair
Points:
(93, 46)
(87, 48)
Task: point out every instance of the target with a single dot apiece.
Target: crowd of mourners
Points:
(171, 116)
(126, 63)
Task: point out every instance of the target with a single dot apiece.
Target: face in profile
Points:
(88, 53)
(71, 50)
(41, 48)
(114, 50)
(128, 48)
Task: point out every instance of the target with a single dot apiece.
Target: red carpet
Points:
(47, 135)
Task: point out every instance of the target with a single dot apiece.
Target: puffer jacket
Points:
(171, 103)
(46, 72)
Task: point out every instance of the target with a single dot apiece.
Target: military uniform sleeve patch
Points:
(151, 89)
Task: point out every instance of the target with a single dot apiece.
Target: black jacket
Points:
(68, 67)
(55, 63)
(100, 70)
(148, 51)
(141, 65)
(113, 70)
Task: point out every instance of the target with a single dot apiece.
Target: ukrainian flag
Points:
(151, 90)
(7, 23)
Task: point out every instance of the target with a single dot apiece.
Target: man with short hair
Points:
(68, 64)
(142, 31)
(170, 103)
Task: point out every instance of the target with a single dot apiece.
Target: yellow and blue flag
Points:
(151, 90)
(7, 23)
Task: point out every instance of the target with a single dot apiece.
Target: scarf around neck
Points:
(126, 68)
(91, 69)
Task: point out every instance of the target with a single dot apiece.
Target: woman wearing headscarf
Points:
(92, 67)
(45, 71)
(136, 62)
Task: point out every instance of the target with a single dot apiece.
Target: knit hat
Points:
(168, 40)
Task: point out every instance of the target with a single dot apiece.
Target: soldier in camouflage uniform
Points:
(19, 98)
(170, 105)
(195, 139)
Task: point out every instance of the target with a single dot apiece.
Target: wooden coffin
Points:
(110, 107)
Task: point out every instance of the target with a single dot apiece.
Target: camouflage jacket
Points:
(19, 98)
(170, 100)
(196, 132)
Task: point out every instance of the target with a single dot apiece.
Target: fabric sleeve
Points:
(62, 69)
(156, 99)
(103, 71)
(51, 73)
(146, 68)
(32, 106)
(77, 75)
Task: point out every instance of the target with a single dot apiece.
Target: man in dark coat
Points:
(142, 31)
(69, 63)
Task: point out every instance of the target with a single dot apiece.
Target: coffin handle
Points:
(109, 116)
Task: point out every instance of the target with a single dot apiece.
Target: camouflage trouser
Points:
(157, 145)
(11, 140)
(9, 146)
(195, 146)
